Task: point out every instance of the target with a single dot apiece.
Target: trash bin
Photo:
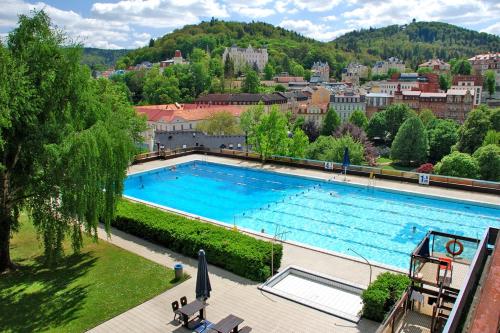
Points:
(178, 271)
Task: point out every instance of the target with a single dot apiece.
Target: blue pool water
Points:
(335, 216)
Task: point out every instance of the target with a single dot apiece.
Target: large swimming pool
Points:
(383, 226)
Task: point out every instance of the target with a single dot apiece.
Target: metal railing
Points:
(360, 170)
(392, 321)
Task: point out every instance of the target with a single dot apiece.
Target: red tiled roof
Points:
(188, 112)
(477, 79)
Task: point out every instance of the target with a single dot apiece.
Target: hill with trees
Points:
(100, 59)
(416, 42)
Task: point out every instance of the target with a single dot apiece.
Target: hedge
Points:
(382, 294)
(236, 252)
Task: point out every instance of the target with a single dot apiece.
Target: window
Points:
(173, 127)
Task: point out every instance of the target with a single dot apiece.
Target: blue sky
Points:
(131, 23)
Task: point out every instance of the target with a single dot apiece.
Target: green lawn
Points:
(388, 164)
(84, 291)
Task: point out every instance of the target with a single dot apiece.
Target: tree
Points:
(427, 116)
(488, 158)
(442, 134)
(410, 144)
(395, 115)
(269, 135)
(472, 132)
(159, 89)
(424, 70)
(359, 119)
(311, 130)
(279, 88)
(269, 71)
(298, 144)
(495, 119)
(330, 123)
(228, 67)
(328, 148)
(377, 126)
(461, 67)
(66, 140)
(220, 123)
(357, 133)
(251, 83)
(489, 82)
(458, 164)
(151, 43)
(444, 82)
(492, 137)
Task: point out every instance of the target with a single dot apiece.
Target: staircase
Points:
(442, 309)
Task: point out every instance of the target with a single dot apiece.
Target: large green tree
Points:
(458, 164)
(160, 89)
(65, 139)
(251, 83)
(444, 82)
(410, 144)
(377, 126)
(461, 67)
(330, 123)
(220, 123)
(488, 158)
(395, 116)
(490, 82)
(328, 148)
(359, 119)
(472, 132)
(442, 134)
(298, 143)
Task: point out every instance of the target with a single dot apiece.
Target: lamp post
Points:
(370, 265)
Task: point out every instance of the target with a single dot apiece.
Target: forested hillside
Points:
(284, 47)
(417, 42)
(100, 59)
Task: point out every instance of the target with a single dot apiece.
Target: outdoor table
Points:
(228, 324)
(190, 309)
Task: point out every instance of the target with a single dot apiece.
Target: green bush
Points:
(382, 294)
(233, 251)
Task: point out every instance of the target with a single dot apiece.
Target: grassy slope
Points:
(85, 290)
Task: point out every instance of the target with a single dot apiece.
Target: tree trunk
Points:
(5, 226)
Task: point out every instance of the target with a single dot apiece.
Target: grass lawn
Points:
(388, 164)
(85, 290)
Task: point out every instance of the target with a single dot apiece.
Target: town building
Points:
(183, 139)
(242, 57)
(296, 100)
(180, 117)
(467, 82)
(436, 65)
(354, 72)
(176, 60)
(346, 103)
(320, 72)
(410, 81)
(376, 102)
(454, 104)
(489, 61)
(383, 67)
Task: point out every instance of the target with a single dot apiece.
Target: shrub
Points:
(233, 251)
(458, 165)
(382, 294)
(488, 158)
(426, 168)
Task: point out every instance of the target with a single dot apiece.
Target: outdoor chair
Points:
(184, 301)
(245, 329)
(175, 308)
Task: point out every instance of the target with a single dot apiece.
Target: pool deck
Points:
(235, 295)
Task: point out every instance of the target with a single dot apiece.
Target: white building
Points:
(469, 82)
(353, 72)
(382, 67)
(489, 61)
(246, 57)
(346, 103)
(406, 81)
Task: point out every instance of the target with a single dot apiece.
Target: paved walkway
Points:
(231, 294)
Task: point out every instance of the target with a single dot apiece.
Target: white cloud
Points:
(375, 13)
(315, 5)
(252, 9)
(320, 32)
(493, 29)
(330, 18)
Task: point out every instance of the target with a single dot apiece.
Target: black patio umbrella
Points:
(203, 287)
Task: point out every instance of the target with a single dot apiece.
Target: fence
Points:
(359, 170)
(392, 321)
